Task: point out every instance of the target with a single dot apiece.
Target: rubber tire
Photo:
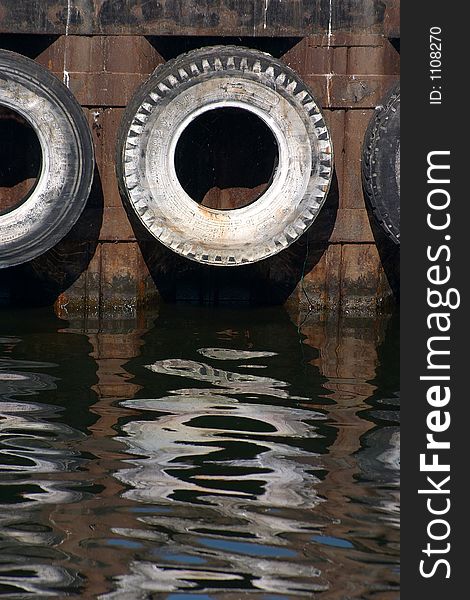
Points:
(64, 183)
(174, 95)
(381, 164)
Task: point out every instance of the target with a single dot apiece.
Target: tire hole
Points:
(20, 160)
(226, 158)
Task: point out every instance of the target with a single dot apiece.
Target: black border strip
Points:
(440, 128)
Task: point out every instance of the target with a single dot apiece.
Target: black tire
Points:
(64, 182)
(186, 87)
(381, 165)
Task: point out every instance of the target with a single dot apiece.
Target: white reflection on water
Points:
(231, 354)
(29, 439)
(172, 439)
(35, 580)
(231, 503)
(235, 383)
(31, 476)
(229, 486)
(379, 461)
(33, 459)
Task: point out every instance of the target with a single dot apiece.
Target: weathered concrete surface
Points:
(195, 17)
(108, 263)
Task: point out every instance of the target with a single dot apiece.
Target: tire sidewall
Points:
(204, 80)
(65, 179)
(381, 165)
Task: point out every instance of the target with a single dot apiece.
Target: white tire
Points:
(62, 188)
(174, 96)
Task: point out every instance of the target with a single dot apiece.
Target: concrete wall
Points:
(108, 263)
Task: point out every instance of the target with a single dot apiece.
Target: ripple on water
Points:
(215, 483)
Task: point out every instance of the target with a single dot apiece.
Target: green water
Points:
(199, 453)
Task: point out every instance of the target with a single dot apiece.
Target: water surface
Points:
(197, 453)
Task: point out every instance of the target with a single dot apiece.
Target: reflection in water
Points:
(211, 455)
(33, 458)
(237, 465)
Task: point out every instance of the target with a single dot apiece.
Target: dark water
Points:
(199, 454)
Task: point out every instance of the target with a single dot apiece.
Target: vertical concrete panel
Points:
(333, 278)
(105, 124)
(326, 60)
(320, 287)
(119, 277)
(335, 120)
(356, 122)
(104, 72)
(380, 60)
(296, 58)
(97, 53)
(360, 274)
